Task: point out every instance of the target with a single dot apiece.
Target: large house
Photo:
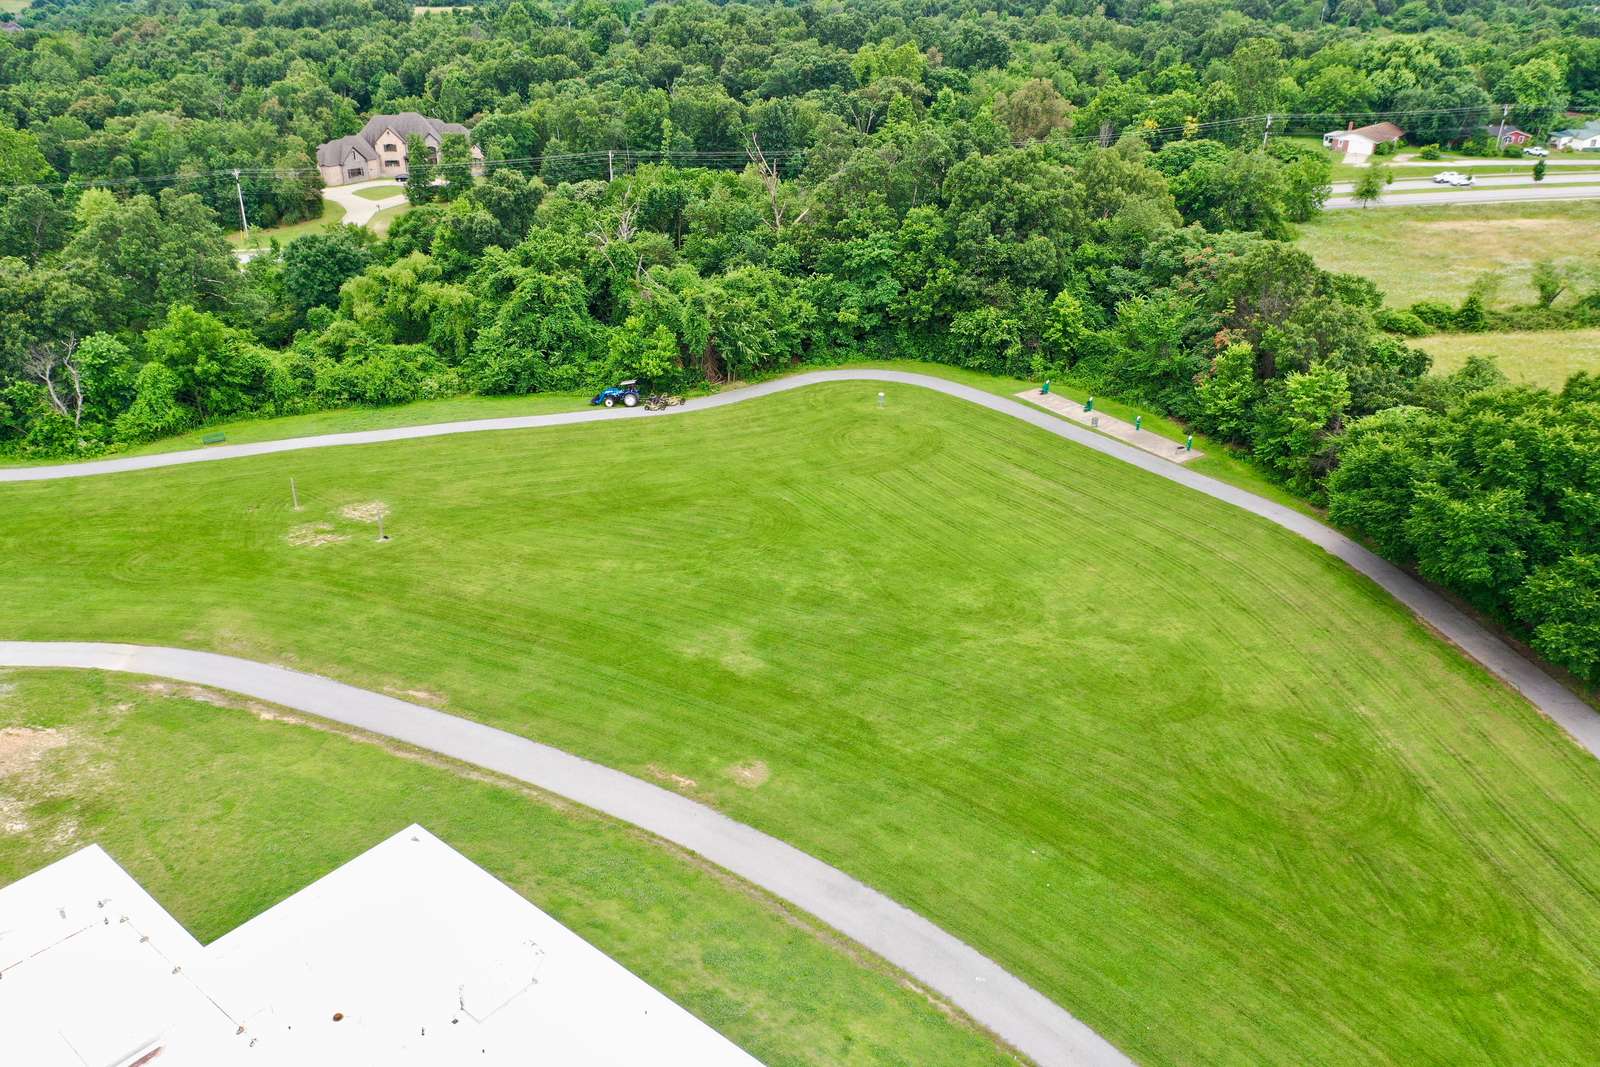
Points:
(1579, 138)
(1362, 140)
(379, 150)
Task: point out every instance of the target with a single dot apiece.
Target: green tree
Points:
(316, 265)
(455, 166)
(420, 172)
(1370, 184)
(217, 368)
(1229, 391)
(1560, 603)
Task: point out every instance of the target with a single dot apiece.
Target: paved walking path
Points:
(1004, 1004)
(1013, 1010)
(1543, 691)
(1152, 443)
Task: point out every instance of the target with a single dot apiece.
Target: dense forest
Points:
(688, 192)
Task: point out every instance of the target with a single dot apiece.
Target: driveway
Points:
(358, 210)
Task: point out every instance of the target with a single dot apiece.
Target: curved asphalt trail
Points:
(1544, 692)
(1021, 1016)
(994, 998)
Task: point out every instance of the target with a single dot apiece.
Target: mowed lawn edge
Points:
(221, 807)
(1135, 720)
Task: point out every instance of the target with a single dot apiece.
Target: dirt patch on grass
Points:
(314, 535)
(371, 511)
(214, 697)
(22, 752)
(419, 696)
(21, 748)
(751, 774)
(679, 780)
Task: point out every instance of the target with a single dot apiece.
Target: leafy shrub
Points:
(1405, 323)
(155, 411)
(1435, 313)
(1430, 151)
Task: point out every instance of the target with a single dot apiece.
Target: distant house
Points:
(379, 150)
(1579, 138)
(1504, 135)
(1362, 140)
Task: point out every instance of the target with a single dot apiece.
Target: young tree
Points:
(1370, 184)
(1548, 281)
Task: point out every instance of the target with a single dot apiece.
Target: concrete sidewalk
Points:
(996, 999)
(1152, 443)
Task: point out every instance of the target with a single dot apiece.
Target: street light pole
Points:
(244, 224)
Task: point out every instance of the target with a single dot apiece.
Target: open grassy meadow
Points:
(1186, 774)
(1546, 357)
(221, 808)
(1437, 253)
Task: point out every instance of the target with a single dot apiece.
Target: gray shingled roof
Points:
(332, 153)
(407, 124)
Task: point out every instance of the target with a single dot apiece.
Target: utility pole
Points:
(1505, 109)
(1266, 132)
(243, 223)
(611, 173)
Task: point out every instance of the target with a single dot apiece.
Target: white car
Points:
(1445, 177)
(1536, 151)
(1461, 181)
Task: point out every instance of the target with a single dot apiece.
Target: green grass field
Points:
(1182, 771)
(220, 812)
(1217, 462)
(331, 213)
(1439, 252)
(1547, 358)
(381, 222)
(11, 7)
(382, 192)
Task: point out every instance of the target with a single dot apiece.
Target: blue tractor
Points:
(624, 393)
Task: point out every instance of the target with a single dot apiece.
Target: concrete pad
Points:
(1152, 443)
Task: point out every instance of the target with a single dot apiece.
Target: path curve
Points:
(1533, 682)
(1019, 1014)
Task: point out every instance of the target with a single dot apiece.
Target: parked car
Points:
(1536, 151)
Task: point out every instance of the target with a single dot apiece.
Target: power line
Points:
(710, 158)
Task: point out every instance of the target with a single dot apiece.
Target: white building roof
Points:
(409, 954)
